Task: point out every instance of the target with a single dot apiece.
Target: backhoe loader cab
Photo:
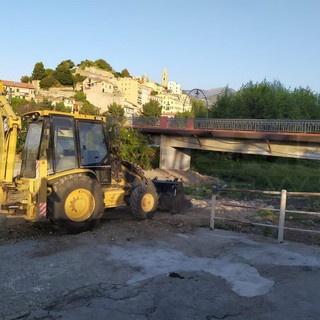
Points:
(69, 176)
(66, 142)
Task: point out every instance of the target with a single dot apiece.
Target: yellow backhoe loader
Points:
(68, 174)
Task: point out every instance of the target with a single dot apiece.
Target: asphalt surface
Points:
(201, 274)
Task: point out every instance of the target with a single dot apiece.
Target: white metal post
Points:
(213, 206)
(282, 215)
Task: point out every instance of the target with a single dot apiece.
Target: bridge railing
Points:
(263, 125)
(143, 121)
(177, 123)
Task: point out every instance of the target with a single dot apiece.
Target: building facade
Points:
(173, 103)
(129, 87)
(19, 90)
(102, 89)
(174, 87)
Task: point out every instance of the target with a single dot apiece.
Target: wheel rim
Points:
(147, 202)
(79, 205)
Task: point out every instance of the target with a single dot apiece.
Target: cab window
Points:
(64, 144)
(92, 144)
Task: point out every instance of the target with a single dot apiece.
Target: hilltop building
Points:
(144, 94)
(174, 87)
(129, 87)
(173, 103)
(19, 90)
(102, 92)
(70, 103)
(164, 78)
(102, 89)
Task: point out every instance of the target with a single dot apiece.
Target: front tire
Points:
(144, 202)
(76, 203)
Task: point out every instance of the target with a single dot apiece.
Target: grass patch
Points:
(198, 192)
(268, 215)
(259, 172)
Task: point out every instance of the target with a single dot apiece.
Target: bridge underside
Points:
(175, 151)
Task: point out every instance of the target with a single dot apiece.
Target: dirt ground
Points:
(244, 212)
(231, 214)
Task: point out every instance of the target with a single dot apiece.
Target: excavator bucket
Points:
(172, 197)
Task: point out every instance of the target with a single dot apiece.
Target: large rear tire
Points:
(144, 202)
(76, 203)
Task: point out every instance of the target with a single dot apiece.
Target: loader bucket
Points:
(172, 197)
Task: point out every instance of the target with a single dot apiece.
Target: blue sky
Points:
(203, 44)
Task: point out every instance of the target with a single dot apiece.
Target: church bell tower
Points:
(165, 78)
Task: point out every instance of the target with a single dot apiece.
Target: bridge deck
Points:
(236, 134)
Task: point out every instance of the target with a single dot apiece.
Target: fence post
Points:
(282, 215)
(215, 191)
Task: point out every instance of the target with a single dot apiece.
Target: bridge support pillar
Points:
(173, 158)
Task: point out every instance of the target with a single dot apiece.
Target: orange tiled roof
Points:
(17, 84)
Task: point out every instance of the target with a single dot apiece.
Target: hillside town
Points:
(103, 89)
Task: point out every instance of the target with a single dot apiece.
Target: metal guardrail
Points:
(143, 121)
(262, 125)
(282, 209)
(177, 123)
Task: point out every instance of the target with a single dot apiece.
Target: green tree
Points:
(85, 63)
(80, 96)
(125, 73)
(21, 106)
(132, 146)
(38, 71)
(199, 108)
(266, 100)
(114, 110)
(135, 148)
(63, 73)
(102, 64)
(49, 72)
(307, 103)
(77, 78)
(115, 117)
(185, 114)
(88, 108)
(25, 79)
(48, 82)
(61, 107)
(127, 143)
(152, 109)
(68, 62)
(45, 105)
(224, 106)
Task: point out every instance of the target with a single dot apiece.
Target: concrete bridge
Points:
(178, 136)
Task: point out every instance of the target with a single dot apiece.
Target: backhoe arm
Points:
(10, 125)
